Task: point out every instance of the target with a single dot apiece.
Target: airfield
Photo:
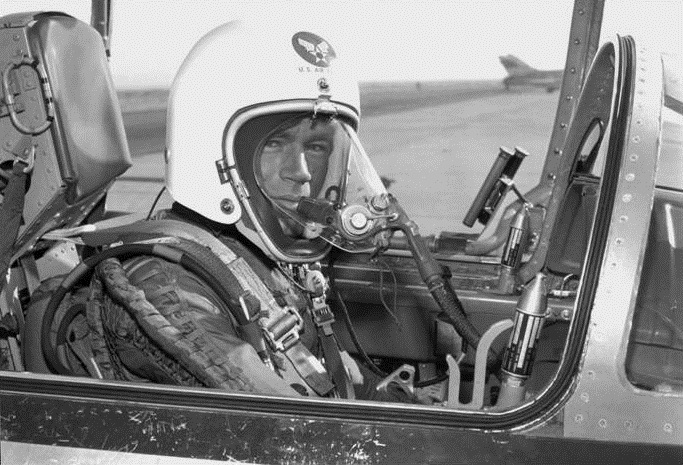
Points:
(433, 141)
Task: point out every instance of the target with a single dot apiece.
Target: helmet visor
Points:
(319, 179)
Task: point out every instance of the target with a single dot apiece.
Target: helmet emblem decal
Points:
(314, 49)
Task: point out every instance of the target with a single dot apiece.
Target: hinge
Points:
(223, 171)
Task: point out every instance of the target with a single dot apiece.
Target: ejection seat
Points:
(60, 120)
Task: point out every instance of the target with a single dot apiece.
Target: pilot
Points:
(262, 154)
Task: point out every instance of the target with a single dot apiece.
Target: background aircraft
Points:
(521, 74)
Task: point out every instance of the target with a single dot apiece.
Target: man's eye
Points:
(317, 149)
(273, 144)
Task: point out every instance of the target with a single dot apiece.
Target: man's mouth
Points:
(290, 202)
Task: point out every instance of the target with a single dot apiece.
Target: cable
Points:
(381, 290)
(291, 279)
(356, 342)
(430, 382)
(156, 200)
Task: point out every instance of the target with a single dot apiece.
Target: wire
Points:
(156, 200)
(672, 324)
(430, 382)
(381, 291)
(354, 338)
(287, 274)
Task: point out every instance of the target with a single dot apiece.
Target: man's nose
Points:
(295, 168)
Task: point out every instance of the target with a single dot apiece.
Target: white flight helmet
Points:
(248, 103)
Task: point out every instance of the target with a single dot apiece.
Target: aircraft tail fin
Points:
(514, 66)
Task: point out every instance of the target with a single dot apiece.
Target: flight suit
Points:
(124, 349)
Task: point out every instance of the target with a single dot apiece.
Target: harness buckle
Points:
(284, 333)
(322, 315)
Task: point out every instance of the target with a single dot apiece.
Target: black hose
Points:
(439, 286)
(68, 317)
(432, 274)
(53, 363)
(450, 305)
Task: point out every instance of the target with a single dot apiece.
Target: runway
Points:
(437, 154)
(440, 155)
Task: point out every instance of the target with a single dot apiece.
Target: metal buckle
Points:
(284, 333)
(29, 161)
(323, 316)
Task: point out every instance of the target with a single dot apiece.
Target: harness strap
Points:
(323, 319)
(309, 368)
(281, 327)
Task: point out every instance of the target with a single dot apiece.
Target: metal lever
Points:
(404, 376)
(477, 401)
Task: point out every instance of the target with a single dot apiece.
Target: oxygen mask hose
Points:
(436, 279)
(358, 222)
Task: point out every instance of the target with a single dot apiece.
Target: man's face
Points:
(293, 162)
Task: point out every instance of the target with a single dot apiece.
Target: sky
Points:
(387, 40)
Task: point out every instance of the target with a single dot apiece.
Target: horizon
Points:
(362, 82)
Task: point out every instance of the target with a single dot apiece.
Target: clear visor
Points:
(320, 181)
